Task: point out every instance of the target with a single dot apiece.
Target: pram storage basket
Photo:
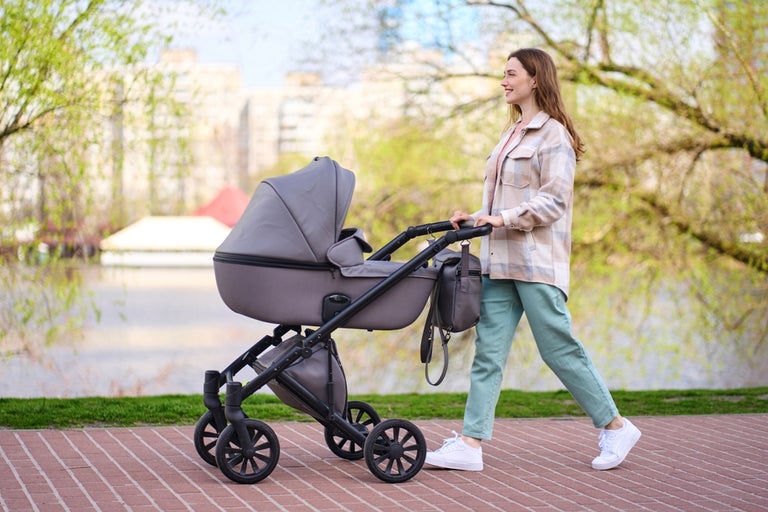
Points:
(311, 372)
(289, 255)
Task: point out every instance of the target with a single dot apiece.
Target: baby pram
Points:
(290, 262)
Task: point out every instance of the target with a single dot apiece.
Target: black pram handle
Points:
(466, 231)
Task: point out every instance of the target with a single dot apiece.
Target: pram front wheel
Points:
(361, 416)
(395, 450)
(205, 437)
(253, 459)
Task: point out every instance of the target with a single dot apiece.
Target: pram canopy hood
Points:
(295, 217)
(289, 260)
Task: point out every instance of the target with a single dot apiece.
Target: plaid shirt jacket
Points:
(533, 192)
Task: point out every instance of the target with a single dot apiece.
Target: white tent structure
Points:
(165, 241)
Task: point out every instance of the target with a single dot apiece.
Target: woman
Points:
(528, 199)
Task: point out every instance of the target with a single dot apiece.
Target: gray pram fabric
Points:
(289, 251)
(295, 217)
(311, 372)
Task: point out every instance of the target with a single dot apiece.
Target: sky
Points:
(267, 38)
(263, 37)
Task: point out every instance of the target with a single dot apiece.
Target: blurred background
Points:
(132, 135)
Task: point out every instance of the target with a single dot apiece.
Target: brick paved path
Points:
(688, 463)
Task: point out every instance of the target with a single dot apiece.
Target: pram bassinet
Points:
(289, 261)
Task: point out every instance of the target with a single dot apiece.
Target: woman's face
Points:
(517, 83)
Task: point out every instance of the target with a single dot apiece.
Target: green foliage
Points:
(670, 239)
(410, 174)
(670, 98)
(72, 83)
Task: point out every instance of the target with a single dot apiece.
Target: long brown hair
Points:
(540, 65)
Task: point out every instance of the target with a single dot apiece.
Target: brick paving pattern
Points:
(682, 463)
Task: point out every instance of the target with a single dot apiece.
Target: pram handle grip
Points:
(466, 231)
(445, 225)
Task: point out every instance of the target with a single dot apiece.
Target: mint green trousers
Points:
(503, 303)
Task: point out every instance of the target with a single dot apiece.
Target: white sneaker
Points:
(615, 445)
(454, 454)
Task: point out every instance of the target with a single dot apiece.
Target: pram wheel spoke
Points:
(205, 438)
(395, 450)
(250, 463)
(363, 417)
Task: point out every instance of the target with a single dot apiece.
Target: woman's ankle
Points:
(472, 442)
(615, 424)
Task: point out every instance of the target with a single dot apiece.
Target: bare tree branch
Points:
(748, 70)
(631, 81)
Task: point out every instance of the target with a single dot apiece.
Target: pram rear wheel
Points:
(252, 460)
(395, 450)
(361, 416)
(205, 437)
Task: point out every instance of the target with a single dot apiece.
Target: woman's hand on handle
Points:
(459, 217)
(496, 221)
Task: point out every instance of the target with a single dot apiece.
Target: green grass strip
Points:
(40, 413)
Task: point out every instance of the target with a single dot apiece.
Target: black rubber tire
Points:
(362, 416)
(205, 438)
(241, 468)
(395, 450)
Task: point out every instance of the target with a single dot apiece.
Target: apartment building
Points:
(235, 135)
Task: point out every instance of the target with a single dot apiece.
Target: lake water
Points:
(161, 328)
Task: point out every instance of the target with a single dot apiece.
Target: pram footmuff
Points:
(290, 261)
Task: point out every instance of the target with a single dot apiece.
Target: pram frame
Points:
(325, 412)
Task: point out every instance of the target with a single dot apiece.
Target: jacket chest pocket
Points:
(518, 167)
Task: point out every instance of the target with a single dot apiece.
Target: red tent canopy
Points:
(227, 206)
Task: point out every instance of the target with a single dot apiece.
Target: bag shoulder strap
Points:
(428, 340)
(434, 321)
(427, 334)
(465, 260)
